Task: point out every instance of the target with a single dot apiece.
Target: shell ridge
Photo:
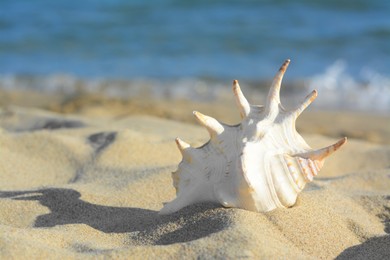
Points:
(293, 176)
(269, 177)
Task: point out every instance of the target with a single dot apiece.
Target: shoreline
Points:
(337, 92)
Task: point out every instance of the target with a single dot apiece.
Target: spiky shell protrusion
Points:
(258, 165)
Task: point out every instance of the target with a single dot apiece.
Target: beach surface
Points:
(85, 178)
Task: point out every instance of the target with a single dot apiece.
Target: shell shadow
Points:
(66, 207)
(373, 248)
(52, 124)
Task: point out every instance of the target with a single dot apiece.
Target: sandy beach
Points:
(85, 177)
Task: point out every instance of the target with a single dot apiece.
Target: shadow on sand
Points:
(66, 207)
(373, 248)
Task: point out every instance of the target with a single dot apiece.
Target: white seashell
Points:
(258, 165)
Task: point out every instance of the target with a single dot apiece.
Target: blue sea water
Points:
(347, 41)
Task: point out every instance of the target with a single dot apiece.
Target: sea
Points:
(195, 48)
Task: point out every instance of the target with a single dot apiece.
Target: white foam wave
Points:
(340, 90)
(67, 84)
(337, 88)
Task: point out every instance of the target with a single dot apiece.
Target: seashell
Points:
(258, 165)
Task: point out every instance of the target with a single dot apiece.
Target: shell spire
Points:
(211, 124)
(258, 165)
(273, 99)
(242, 103)
(181, 144)
(308, 100)
(321, 154)
(183, 148)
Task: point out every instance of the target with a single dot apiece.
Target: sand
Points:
(86, 179)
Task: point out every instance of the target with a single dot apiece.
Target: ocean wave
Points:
(340, 90)
(337, 88)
